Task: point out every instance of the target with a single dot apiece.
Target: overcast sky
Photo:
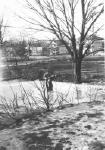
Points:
(9, 9)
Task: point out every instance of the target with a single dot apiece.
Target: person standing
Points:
(49, 85)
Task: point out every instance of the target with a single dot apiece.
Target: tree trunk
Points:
(77, 70)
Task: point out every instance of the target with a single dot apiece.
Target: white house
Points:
(98, 45)
(36, 50)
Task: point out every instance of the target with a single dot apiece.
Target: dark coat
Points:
(49, 78)
(49, 84)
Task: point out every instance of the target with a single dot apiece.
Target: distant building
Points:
(47, 48)
(57, 48)
(36, 50)
(95, 43)
(53, 48)
(98, 44)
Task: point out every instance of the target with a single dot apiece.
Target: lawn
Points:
(92, 67)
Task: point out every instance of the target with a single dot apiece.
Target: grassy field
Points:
(92, 67)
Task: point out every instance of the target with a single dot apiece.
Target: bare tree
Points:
(20, 49)
(59, 17)
(2, 31)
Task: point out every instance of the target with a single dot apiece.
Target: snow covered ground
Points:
(71, 92)
(80, 127)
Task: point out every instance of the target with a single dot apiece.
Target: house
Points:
(46, 48)
(53, 48)
(61, 49)
(35, 48)
(95, 43)
(98, 45)
(56, 47)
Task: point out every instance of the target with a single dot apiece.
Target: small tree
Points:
(1, 31)
(3, 28)
(59, 17)
(20, 49)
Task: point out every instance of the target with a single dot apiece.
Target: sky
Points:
(10, 9)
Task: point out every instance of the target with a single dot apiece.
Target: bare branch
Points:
(58, 17)
(94, 52)
(94, 20)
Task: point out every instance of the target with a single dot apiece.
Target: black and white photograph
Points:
(52, 75)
